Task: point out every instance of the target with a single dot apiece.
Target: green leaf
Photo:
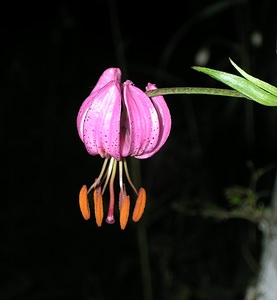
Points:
(249, 86)
(262, 84)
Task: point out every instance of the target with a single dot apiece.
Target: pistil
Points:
(110, 217)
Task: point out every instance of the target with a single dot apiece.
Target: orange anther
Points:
(124, 212)
(83, 202)
(140, 205)
(98, 206)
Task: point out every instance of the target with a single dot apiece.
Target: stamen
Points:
(120, 175)
(98, 206)
(97, 181)
(140, 205)
(128, 176)
(108, 173)
(122, 195)
(124, 212)
(83, 202)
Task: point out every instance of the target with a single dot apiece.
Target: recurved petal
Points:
(164, 120)
(83, 112)
(140, 125)
(109, 75)
(101, 122)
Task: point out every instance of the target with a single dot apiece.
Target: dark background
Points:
(52, 53)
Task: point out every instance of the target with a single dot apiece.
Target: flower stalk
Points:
(247, 86)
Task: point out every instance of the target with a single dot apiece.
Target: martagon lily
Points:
(118, 120)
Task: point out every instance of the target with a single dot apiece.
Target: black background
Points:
(52, 53)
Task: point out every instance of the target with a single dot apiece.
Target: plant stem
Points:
(195, 90)
(142, 238)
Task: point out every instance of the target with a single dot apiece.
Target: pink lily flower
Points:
(118, 120)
